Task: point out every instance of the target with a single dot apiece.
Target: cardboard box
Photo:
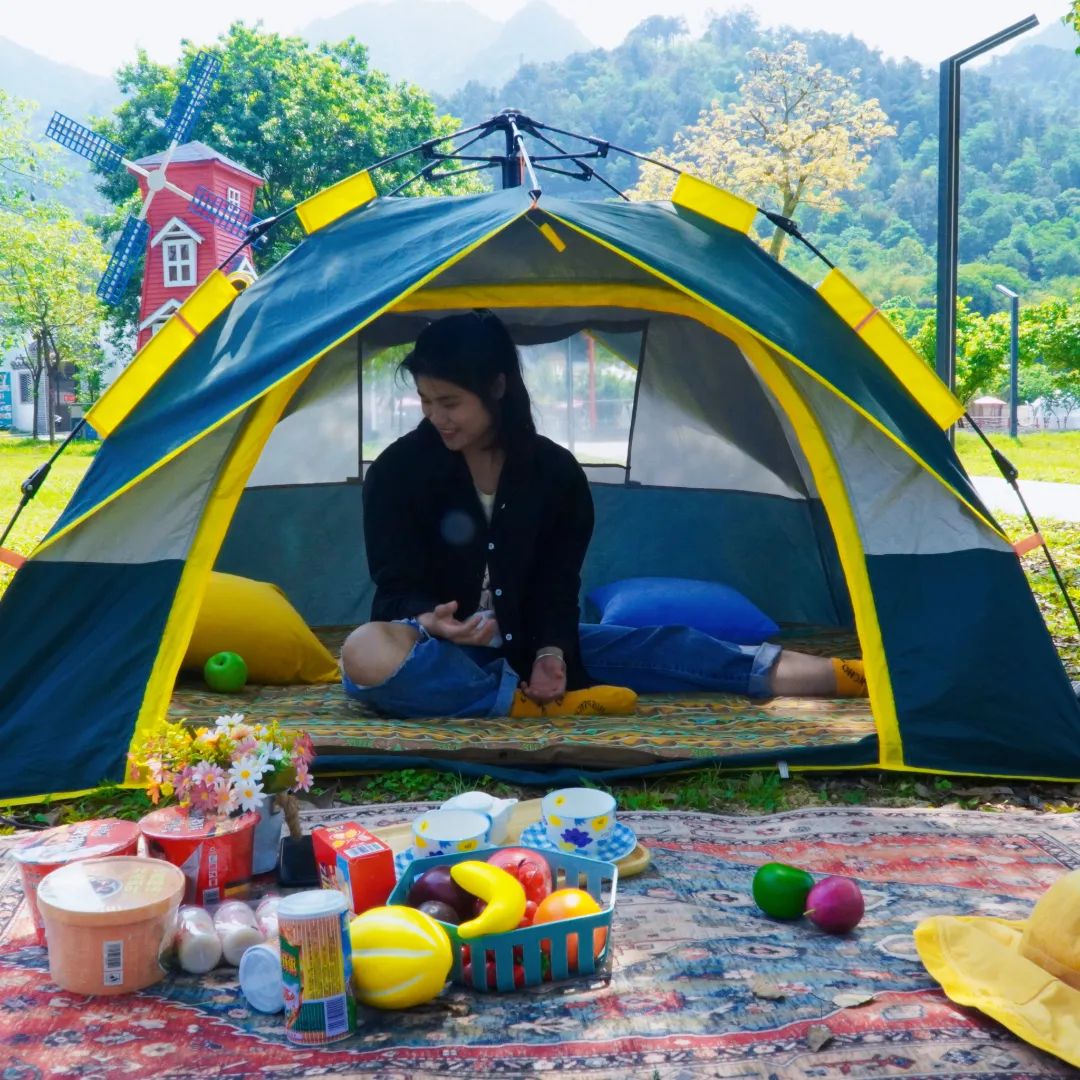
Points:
(357, 863)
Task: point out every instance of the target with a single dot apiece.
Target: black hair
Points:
(472, 351)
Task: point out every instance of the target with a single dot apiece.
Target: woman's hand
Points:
(441, 623)
(547, 681)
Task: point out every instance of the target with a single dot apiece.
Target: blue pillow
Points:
(708, 606)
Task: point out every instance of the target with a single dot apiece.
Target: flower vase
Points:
(264, 855)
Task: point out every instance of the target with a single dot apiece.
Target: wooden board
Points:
(525, 813)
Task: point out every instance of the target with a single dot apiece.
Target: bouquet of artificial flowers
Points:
(234, 765)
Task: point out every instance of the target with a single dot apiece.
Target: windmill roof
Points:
(198, 151)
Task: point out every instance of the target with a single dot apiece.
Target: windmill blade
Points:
(125, 255)
(192, 96)
(88, 144)
(219, 211)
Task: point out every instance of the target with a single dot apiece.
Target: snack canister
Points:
(316, 967)
(213, 851)
(108, 922)
(47, 851)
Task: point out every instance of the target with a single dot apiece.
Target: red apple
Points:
(529, 867)
(835, 905)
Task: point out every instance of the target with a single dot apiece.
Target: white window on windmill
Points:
(179, 253)
(179, 258)
(234, 198)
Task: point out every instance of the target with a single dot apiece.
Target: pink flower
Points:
(245, 746)
(303, 750)
(303, 777)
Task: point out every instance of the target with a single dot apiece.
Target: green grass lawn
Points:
(1043, 455)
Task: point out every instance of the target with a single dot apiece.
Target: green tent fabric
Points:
(769, 447)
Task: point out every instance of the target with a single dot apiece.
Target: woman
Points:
(476, 528)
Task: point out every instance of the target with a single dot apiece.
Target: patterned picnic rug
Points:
(688, 943)
(664, 727)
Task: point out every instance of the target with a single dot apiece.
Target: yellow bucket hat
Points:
(1025, 974)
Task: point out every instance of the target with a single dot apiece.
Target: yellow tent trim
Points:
(889, 345)
(715, 203)
(26, 800)
(457, 257)
(217, 514)
(335, 201)
(787, 356)
(552, 237)
(159, 354)
(849, 547)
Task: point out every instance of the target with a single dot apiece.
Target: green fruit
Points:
(781, 890)
(225, 672)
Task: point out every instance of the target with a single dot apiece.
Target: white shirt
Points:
(486, 607)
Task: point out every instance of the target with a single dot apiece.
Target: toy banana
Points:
(503, 892)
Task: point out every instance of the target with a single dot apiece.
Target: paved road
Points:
(1060, 502)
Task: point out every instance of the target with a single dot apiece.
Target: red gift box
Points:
(355, 862)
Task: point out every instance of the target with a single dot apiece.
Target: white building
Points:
(17, 401)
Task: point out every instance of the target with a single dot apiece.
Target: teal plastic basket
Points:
(599, 879)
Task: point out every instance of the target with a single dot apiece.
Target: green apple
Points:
(781, 890)
(225, 672)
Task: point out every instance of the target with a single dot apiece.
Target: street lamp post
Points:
(949, 193)
(1014, 353)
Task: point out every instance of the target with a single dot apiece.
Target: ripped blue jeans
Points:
(441, 679)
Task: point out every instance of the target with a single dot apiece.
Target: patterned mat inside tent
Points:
(664, 727)
(688, 943)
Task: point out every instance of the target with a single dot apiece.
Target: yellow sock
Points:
(594, 701)
(850, 678)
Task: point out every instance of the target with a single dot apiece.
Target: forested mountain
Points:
(1020, 178)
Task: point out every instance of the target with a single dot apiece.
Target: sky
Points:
(99, 35)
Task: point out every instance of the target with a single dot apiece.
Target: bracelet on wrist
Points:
(551, 650)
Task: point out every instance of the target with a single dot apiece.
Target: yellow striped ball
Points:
(401, 957)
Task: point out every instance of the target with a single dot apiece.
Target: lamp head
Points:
(1006, 291)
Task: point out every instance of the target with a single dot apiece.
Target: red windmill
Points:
(184, 245)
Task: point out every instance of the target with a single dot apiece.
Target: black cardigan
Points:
(427, 541)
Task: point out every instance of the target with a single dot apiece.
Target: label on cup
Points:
(316, 973)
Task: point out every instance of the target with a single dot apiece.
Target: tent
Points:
(783, 439)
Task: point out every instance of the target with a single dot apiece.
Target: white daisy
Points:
(248, 770)
(250, 795)
(229, 721)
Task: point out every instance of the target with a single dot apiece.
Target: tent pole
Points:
(29, 487)
(1011, 474)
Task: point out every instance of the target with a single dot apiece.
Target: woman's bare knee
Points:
(374, 651)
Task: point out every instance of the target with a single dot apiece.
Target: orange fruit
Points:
(569, 904)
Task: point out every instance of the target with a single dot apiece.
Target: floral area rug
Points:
(664, 727)
(680, 1001)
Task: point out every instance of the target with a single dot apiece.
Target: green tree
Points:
(1049, 346)
(49, 268)
(302, 117)
(798, 134)
(24, 163)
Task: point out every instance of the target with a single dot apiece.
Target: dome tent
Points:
(783, 440)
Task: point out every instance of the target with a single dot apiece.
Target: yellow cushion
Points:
(256, 620)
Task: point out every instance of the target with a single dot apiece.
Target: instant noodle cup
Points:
(213, 851)
(108, 921)
(316, 967)
(44, 852)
